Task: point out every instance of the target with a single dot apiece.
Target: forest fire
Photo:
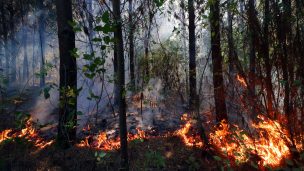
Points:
(102, 142)
(183, 132)
(267, 142)
(29, 133)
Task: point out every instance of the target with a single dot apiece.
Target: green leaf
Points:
(102, 154)
(105, 17)
(159, 3)
(217, 158)
(97, 40)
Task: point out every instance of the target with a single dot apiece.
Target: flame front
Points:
(270, 142)
(102, 142)
(29, 133)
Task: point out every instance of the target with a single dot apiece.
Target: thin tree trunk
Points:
(218, 82)
(68, 76)
(121, 85)
(42, 41)
(192, 58)
(131, 45)
(13, 51)
(265, 50)
(116, 84)
(5, 33)
(34, 62)
(252, 56)
(25, 59)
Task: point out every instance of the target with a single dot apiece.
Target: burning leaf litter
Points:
(269, 140)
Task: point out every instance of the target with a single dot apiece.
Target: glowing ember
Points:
(241, 80)
(29, 133)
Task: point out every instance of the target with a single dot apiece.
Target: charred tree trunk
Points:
(218, 82)
(121, 85)
(192, 59)
(68, 75)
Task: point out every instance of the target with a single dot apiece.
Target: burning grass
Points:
(29, 133)
(266, 143)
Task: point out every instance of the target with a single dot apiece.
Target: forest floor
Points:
(159, 153)
(164, 153)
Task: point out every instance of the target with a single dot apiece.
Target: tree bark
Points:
(131, 45)
(265, 51)
(192, 56)
(218, 82)
(41, 21)
(121, 85)
(68, 75)
(5, 34)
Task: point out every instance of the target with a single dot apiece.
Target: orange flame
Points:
(241, 80)
(29, 133)
(270, 144)
(183, 132)
(101, 141)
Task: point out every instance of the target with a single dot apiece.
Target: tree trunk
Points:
(121, 85)
(41, 21)
(68, 75)
(192, 58)
(253, 44)
(218, 82)
(25, 59)
(265, 51)
(131, 45)
(13, 53)
(5, 34)
(25, 72)
(116, 84)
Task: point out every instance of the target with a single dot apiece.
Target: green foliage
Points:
(135, 142)
(159, 3)
(154, 159)
(76, 26)
(45, 70)
(102, 157)
(168, 64)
